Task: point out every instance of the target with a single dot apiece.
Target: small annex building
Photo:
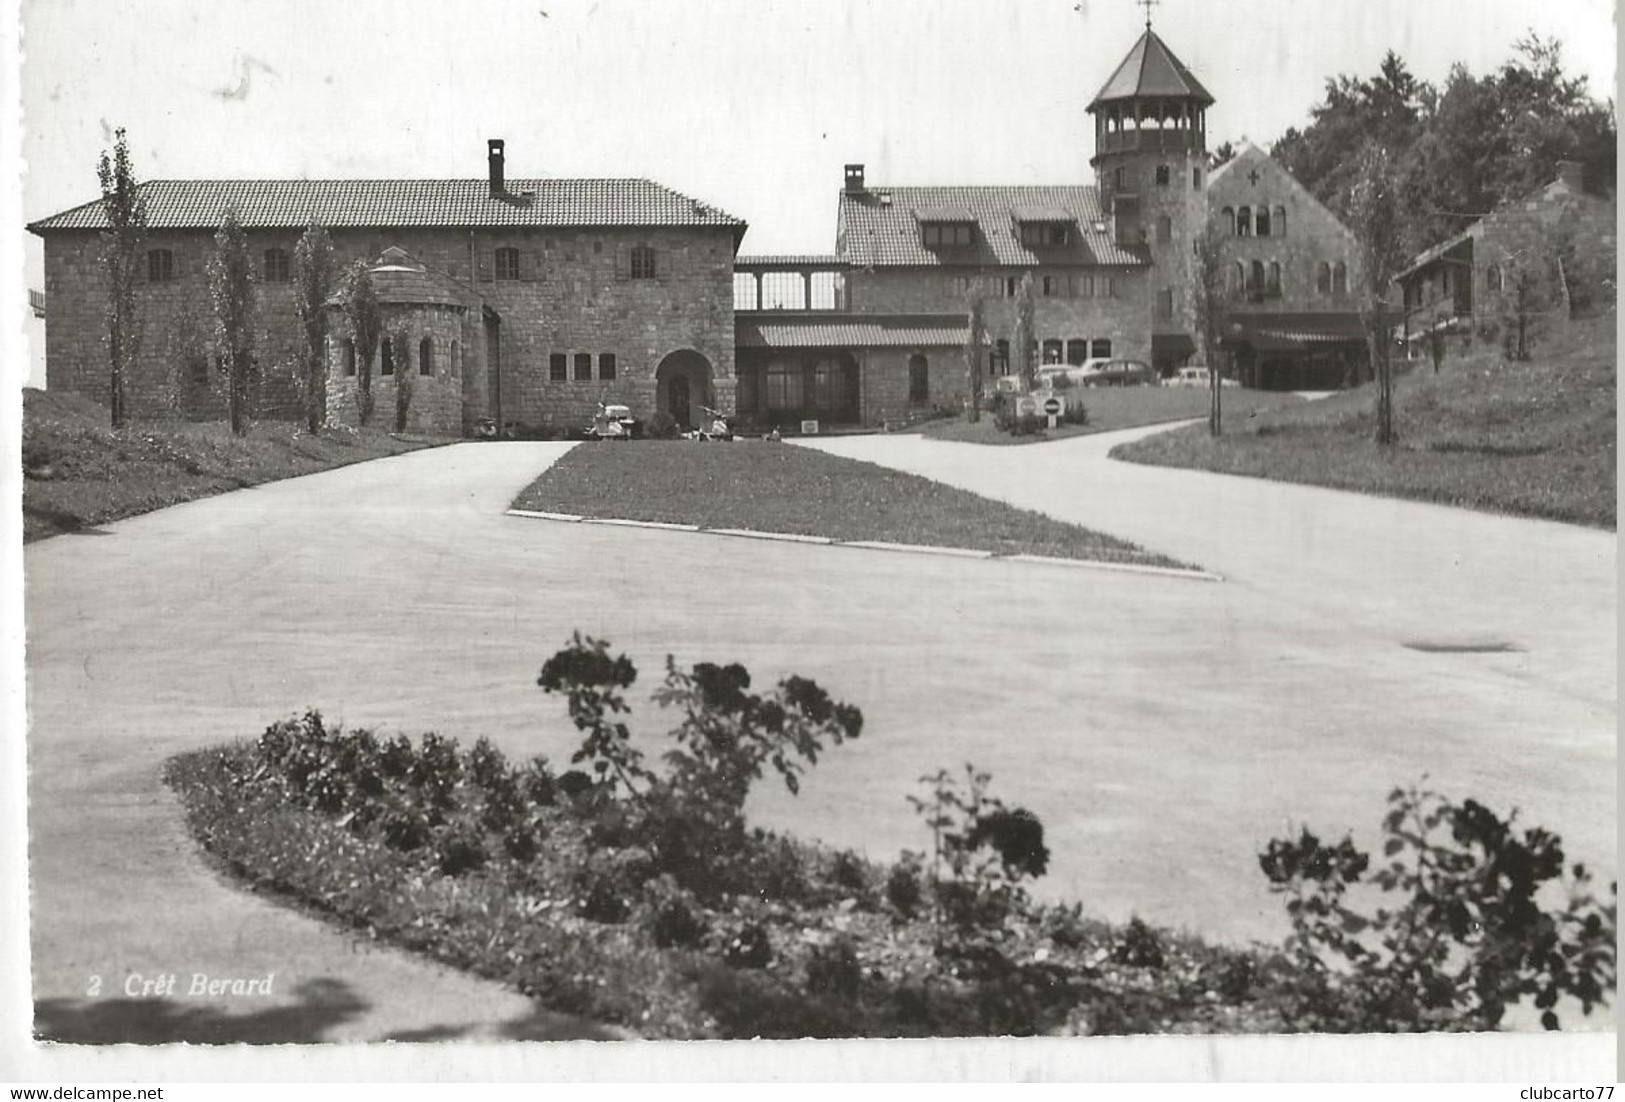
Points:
(1562, 235)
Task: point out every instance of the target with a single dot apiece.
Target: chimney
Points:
(1572, 173)
(854, 179)
(494, 156)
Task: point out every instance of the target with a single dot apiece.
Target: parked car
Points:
(1082, 374)
(1123, 373)
(1194, 376)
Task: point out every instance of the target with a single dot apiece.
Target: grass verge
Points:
(1533, 439)
(1112, 408)
(78, 472)
(778, 488)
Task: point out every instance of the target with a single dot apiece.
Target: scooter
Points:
(717, 429)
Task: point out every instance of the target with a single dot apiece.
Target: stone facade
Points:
(1470, 276)
(1298, 239)
(575, 292)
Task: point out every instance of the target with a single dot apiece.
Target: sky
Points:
(752, 105)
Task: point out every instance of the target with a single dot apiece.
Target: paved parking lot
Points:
(1164, 729)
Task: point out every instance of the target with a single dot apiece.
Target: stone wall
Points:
(1182, 202)
(575, 294)
(1312, 235)
(1559, 221)
(436, 404)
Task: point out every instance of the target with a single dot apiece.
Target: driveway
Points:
(1164, 729)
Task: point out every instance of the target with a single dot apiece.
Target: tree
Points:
(401, 340)
(123, 244)
(313, 274)
(231, 293)
(1207, 301)
(1375, 219)
(1221, 154)
(1023, 337)
(1530, 294)
(975, 345)
(366, 319)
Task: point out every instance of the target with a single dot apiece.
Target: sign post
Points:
(1052, 409)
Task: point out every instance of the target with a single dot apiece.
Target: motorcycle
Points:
(716, 427)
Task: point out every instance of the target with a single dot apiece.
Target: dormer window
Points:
(937, 234)
(1044, 234)
(1044, 227)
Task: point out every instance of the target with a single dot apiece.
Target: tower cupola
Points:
(1151, 103)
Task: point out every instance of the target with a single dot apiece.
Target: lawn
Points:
(78, 472)
(772, 487)
(1112, 408)
(1533, 439)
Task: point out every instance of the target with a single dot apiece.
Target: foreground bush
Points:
(640, 896)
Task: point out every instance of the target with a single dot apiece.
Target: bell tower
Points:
(1151, 167)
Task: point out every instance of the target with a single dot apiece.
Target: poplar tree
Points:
(366, 319)
(1023, 337)
(231, 293)
(313, 276)
(123, 244)
(975, 341)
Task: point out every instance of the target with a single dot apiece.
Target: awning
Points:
(1042, 213)
(1293, 332)
(850, 332)
(944, 214)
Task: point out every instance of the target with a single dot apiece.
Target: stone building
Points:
(1291, 276)
(567, 292)
(1561, 237)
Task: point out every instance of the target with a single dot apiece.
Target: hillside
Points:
(1533, 439)
(78, 472)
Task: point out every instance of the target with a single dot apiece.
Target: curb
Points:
(1193, 574)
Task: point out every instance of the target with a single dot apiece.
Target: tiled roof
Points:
(1030, 212)
(943, 214)
(877, 227)
(198, 204)
(1152, 71)
(850, 331)
(785, 260)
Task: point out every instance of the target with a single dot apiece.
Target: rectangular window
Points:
(1083, 286)
(583, 367)
(643, 262)
(507, 261)
(1050, 283)
(1108, 287)
(1077, 350)
(1165, 304)
(829, 386)
(1012, 284)
(160, 265)
(1052, 352)
(606, 365)
(558, 368)
(275, 269)
(784, 386)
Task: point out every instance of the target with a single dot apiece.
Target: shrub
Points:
(981, 850)
(903, 888)
(833, 969)
(1466, 938)
(662, 426)
(1018, 424)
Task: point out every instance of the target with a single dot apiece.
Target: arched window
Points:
(274, 266)
(1165, 304)
(919, 378)
(1229, 215)
(160, 265)
(1244, 222)
(1120, 178)
(1492, 277)
(1165, 229)
(349, 357)
(1340, 278)
(1273, 287)
(1101, 349)
(1052, 352)
(1323, 278)
(1000, 361)
(1196, 177)
(386, 354)
(1077, 350)
(425, 357)
(1255, 280)
(1279, 228)
(507, 263)
(1263, 221)
(1163, 176)
(1238, 279)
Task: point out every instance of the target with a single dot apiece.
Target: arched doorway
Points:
(682, 385)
